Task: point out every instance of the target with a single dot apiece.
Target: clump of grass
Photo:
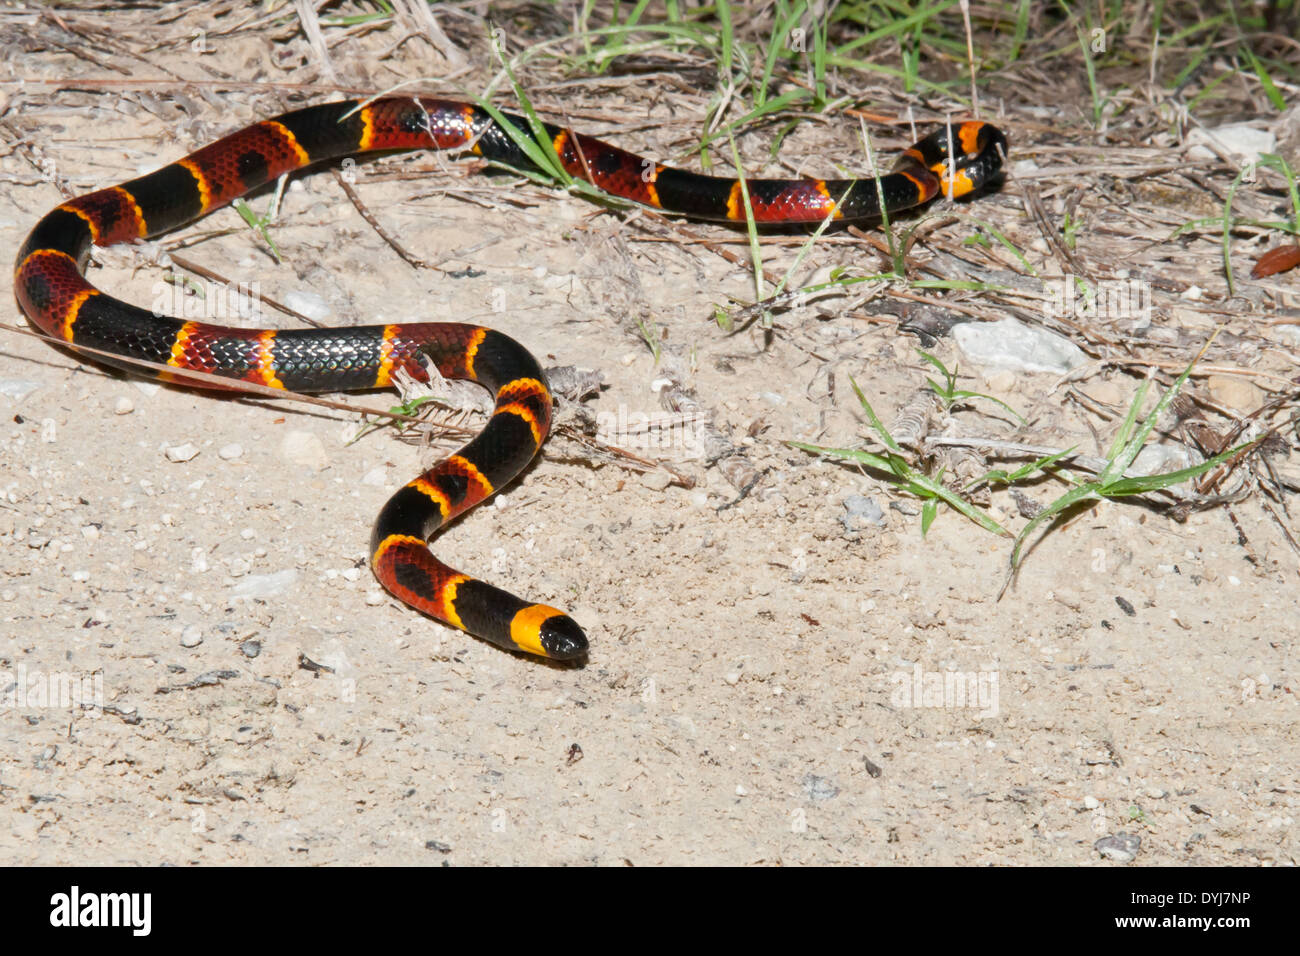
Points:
(894, 464)
(1111, 483)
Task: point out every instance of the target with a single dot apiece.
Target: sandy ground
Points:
(749, 696)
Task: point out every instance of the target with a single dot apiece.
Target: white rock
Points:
(264, 585)
(192, 636)
(1159, 458)
(1010, 344)
(656, 480)
(231, 452)
(17, 388)
(1122, 847)
(308, 303)
(1238, 140)
(123, 406)
(179, 453)
(305, 449)
(1001, 381)
(1290, 334)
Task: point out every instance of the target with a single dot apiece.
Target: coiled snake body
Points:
(52, 291)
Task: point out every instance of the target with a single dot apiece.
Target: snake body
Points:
(52, 290)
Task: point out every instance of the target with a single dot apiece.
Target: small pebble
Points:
(180, 453)
(264, 585)
(308, 303)
(231, 452)
(1092, 803)
(375, 597)
(1236, 393)
(656, 480)
(1122, 847)
(192, 636)
(1001, 381)
(732, 678)
(17, 388)
(1158, 458)
(123, 406)
(1241, 141)
(860, 511)
(819, 788)
(251, 649)
(304, 449)
(1008, 344)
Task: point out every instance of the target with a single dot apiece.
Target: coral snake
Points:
(954, 160)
